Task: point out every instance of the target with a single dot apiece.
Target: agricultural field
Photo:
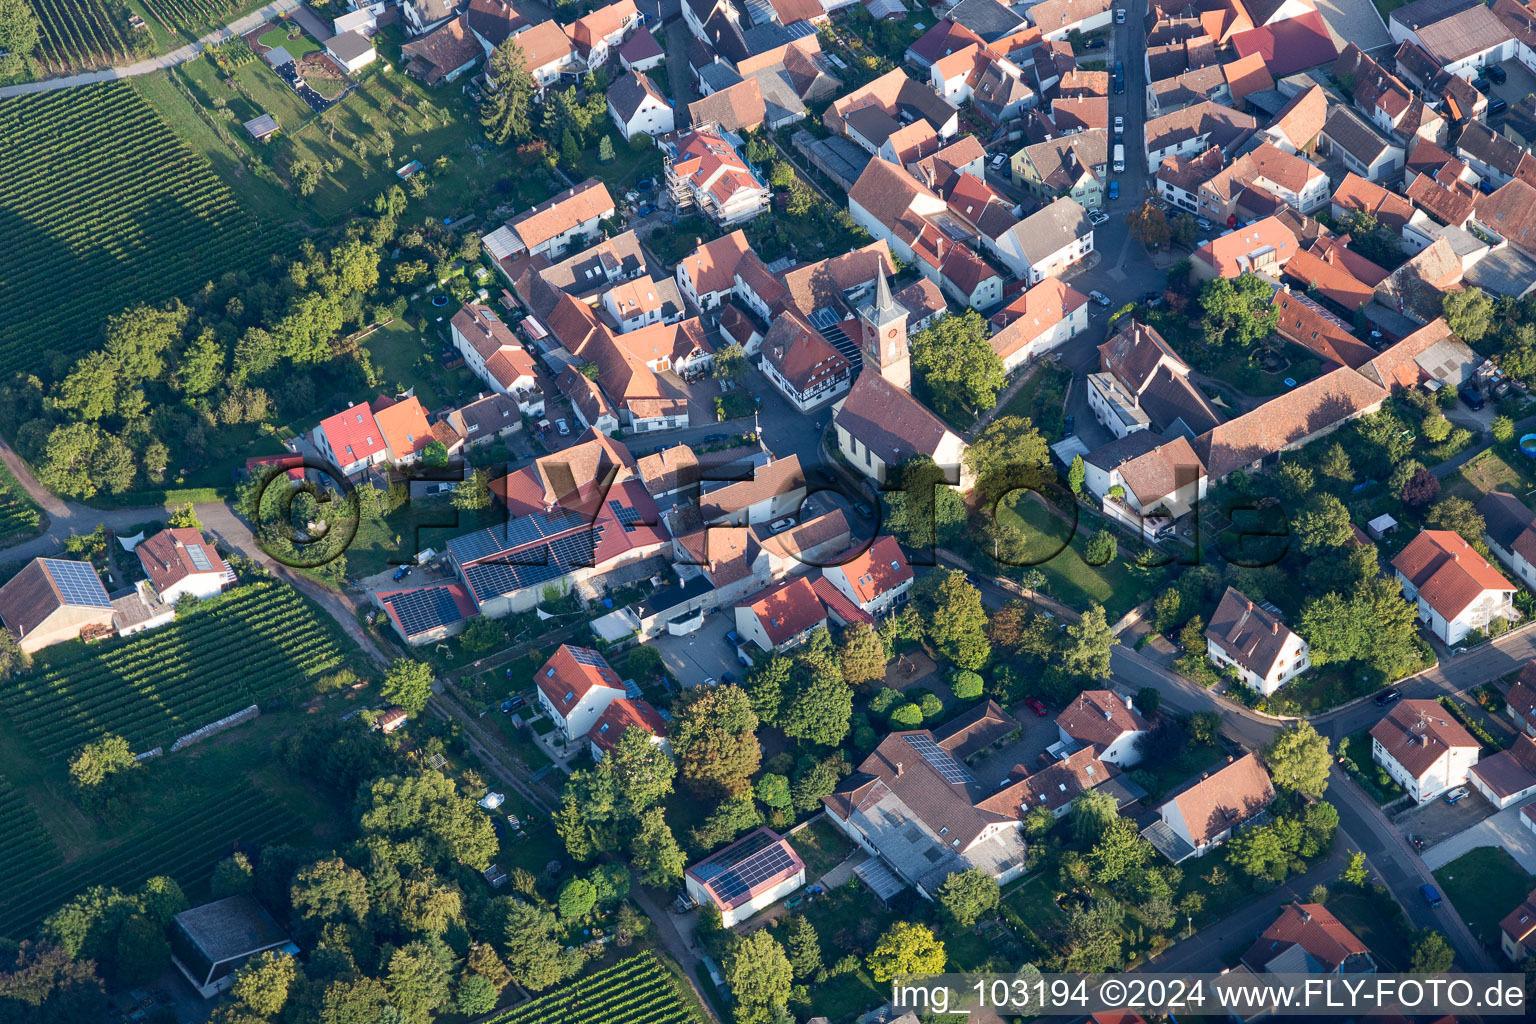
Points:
(254, 642)
(194, 18)
(185, 847)
(639, 990)
(26, 850)
(102, 206)
(19, 515)
(78, 35)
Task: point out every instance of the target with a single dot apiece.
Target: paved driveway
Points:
(701, 654)
(1035, 735)
(1503, 829)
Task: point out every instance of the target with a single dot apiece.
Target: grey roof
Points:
(1483, 144)
(1506, 271)
(1505, 518)
(987, 18)
(349, 45)
(230, 928)
(630, 91)
(1354, 135)
(261, 126)
(1427, 12)
(1138, 442)
(1046, 231)
(718, 76)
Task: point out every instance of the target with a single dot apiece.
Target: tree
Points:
(729, 819)
(233, 876)
(1090, 641)
(1323, 524)
(577, 898)
(968, 896)
(100, 759)
(184, 517)
(803, 947)
(767, 684)
(819, 703)
(534, 956)
(408, 684)
(1298, 759)
(1077, 473)
(1423, 488)
(759, 974)
(1149, 226)
(80, 459)
(1092, 811)
(1183, 229)
(507, 103)
(1468, 312)
(1119, 851)
(1335, 464)
(966, 685)
(1430, 953)
(427, 811)
(472, 493)
(475, 996)
(1237, 313)
(957, 366)
(773, 791)
(605, 152)
(264, 982)
(1373, 625)
(12, 657)
(642, 772)
(813, 779)
(417, 982)
(1502, 428)
(435, 455)
(18, 37)
(1355, 873)
(484, 962)
(922, 508)
(1460, 516)
(906, 948)
(714, 735)
(41, 984)
(142, 952)
(731, 363)
(1101, 548)
(862, 655)
(958, 623)
(1007, 453)
(1148, 700)
(654, 852)
(1093, 938)
(330, 890)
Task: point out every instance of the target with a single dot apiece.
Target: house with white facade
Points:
(1255, 643)
(799, 361)
(1423, 748)
(1146, 481)
(618, 718)
(1507, 778)
(1453, 587)
(351, 440)
(1106, 721)
(638, 107)
(549, 228)
(494, 354)
(878, 579)
(781, 617)
(1039, 321)
(1047, 242)
(1510, 533)
(548, 53)
(1204, 813)
(180, 563)
(751, 874)
(704, 171)
(576, 685)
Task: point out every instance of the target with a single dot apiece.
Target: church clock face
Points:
(891, 333)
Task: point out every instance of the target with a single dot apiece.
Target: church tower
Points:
(883, 322)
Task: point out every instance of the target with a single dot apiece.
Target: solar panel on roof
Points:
(587, 656)
(199, 558)
(739, 870)
(626, 515)
(423, 608)
(939, 760)
(77, 582)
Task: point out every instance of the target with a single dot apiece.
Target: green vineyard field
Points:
(102, 206)
(639, 990)
(79, 34)
(226, 653)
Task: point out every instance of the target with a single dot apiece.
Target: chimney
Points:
(1274, 627)
(1230, 759)
(898, 769)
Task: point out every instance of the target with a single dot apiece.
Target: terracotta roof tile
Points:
(1099, 718)
(573, 672)
(1220, 801)
(1417, 733)
(1448, 574)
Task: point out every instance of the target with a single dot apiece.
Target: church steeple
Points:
(884, 327)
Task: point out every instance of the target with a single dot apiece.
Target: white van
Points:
(1119, 158)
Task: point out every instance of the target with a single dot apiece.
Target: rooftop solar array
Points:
(77, 583)
(423, 608)
(626, 515)
(738, 870)
(519, 570)
(199, 558)
(940, 760)
(587, 656)
(516, 532)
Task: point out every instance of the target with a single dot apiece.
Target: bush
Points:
(907, 716)
(966, 685)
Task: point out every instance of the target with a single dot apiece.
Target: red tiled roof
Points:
(622, 715)
(167, 556)
(573, 672)
(1289, 46)
(1099, 717)
(878, 569)
(787, 609)
(1448, 574)
(837, 602)
(1312, 927)
(1222, 800)
(352, 434)
(1417, 733)
(404, 426)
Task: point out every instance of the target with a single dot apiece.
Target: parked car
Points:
(1114, 190)
(1482, 85)
(1456, 795)
(1120, 16)
(864, 510)
(1497, 74)
(732, 639)
(402, 572)
(999, 160)
(1068, 423)
(1473, 396)
(780, 525)
(1099, 297)
(1098, 217)
(1119, 125)
(1096, 43)
(646, 209)
(1036, 705)
(714, 438)
(1497, 106)
(1431, 895)
(562, 427)
(1388, 697)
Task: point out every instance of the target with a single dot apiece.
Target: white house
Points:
(1105, 721)
(878, 579)
(180, 563)
(575, 687)
(1454, 587)
(781, 617)
(1423, 748)
(1510, 532)
(352, 50)
(1508, 777)
(1202, 815)
(1252, 640)
(1047, 242)
(1040, 320)
(638, 107)
(1144, 480)
(494, 354)
(548, 52)
(802, 363)
(754, 872)
(351, 440)
(550, 227)
(1058, 19)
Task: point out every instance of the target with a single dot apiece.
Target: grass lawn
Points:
(1372, 777)
(1039, 400)
(290, 37)
(848, 922)
(1484, 883)
(1057, 550)
(1034, 900)
(409, 530)
(1376, 919)
(1494, 469)
(821, 846)
(406, 356)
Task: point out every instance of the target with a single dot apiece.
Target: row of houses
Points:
(451, 37)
